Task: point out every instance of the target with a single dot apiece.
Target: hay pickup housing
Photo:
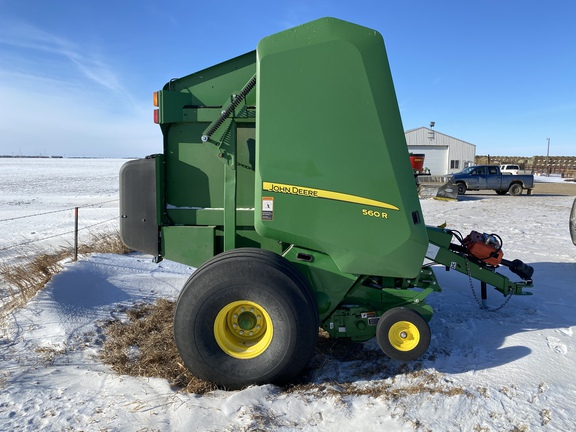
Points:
(286, 179)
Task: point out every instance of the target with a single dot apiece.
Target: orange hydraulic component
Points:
(485, 247)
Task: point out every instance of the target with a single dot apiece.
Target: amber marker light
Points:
(156, 113)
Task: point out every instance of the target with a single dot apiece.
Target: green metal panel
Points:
(195, 175)
(188, 245)
(349, 306)
(332, 160)
(211, 86)
(160, 190)
(330, 284)
(194, 245)
(208, 183)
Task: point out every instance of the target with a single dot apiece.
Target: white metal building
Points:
(443, 153)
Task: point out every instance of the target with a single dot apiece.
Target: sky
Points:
(76, 78)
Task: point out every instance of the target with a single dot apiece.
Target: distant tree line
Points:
(31, 157)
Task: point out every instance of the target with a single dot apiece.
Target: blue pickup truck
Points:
(489, 177)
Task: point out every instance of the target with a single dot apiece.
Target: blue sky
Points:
(76, 77)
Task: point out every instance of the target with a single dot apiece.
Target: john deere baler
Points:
(286, 179)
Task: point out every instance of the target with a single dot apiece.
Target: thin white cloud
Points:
(59, 97)
(18, 34)
(49, 121)
(64, 59)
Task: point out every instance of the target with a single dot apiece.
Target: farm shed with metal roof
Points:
(443, 154)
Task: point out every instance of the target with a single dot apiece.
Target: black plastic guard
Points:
(138, 225)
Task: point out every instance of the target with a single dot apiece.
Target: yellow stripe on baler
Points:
(320, 193)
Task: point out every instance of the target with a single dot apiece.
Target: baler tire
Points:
(515, 189)
(246, 317)
(403, 334)
(461, 188)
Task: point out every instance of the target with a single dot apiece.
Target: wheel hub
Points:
(404, 336)
(247, 320)
(243, 329)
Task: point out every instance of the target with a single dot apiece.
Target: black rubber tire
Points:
(246, 275)
(461, 188)
(515, 189)
(403, 320)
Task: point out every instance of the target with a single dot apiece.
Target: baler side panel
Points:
(332, 158)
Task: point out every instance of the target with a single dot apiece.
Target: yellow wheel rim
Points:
(404, 336)
(243, 329)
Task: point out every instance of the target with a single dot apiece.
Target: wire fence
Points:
(26, 266)
(56, 211)
(74, 230)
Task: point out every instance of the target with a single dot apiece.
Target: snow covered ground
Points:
(38, 197)
(514, 369)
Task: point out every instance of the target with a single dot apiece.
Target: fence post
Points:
(75, 234)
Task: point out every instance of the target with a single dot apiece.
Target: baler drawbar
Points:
(286, 180)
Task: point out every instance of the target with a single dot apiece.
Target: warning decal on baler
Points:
(267, 208)
(320, 193)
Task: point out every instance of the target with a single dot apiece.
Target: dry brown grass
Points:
(104, 243)
(144, 346)
(25, 279)
(420, 382)
(29, 275)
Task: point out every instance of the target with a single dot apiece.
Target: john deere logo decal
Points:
(320, 193)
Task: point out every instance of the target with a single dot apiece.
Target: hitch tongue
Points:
(519, 268)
